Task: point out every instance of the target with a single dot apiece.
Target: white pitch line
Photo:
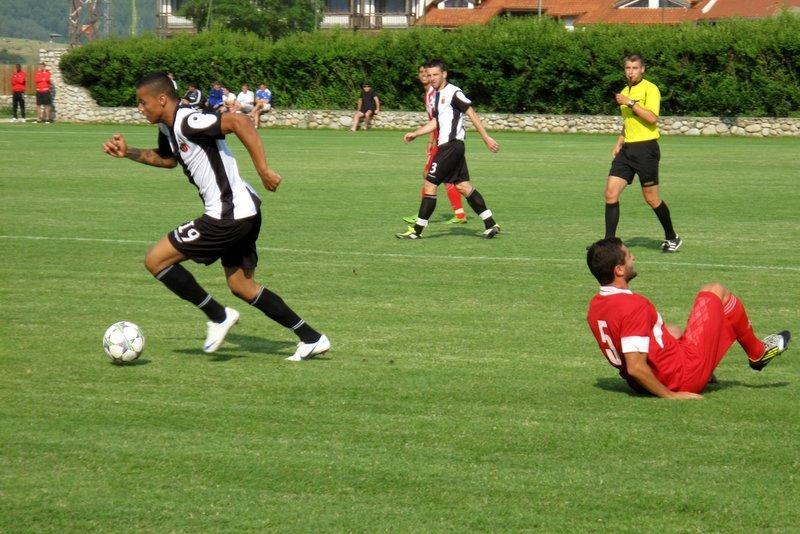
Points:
(521, 259)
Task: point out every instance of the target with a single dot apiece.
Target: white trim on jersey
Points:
(449, 117)
(199, 146)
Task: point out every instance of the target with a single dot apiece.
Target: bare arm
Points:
(618, 144)
(117, 147)
(377, 104)
(428, 128)
(643, 113)
(636, 363)
(491, 144)
(241, 126)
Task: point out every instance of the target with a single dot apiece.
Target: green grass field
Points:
(464, 391)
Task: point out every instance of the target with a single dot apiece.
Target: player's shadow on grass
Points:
(617, 385)
(237, 344)
(643, 242)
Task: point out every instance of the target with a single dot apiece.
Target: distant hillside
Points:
(37, 19)
(25, 51)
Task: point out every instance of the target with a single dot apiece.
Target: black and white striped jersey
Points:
(196, 141)
(449, 106)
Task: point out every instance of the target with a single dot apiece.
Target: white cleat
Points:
(218, 331)
(306, 351)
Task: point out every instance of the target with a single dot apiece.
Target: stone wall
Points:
(74, 104)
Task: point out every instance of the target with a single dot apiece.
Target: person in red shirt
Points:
(655, 357)
(44, 100)
(18, 86)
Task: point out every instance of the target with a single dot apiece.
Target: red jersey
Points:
(624, 322)
(42, 80)
(18, 81)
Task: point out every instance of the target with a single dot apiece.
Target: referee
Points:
(637, 152)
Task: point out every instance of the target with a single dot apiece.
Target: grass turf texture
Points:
(464, 391)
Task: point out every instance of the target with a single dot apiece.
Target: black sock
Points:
(182, 283)
(662, 212)
(426, 208)
(276, 309)
(612, 219)
(478, 205)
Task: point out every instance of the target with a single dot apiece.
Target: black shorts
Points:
(44, 99)
(449, 165)
(205, 240)
(637, 158)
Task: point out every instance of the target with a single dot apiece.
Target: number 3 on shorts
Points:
(187, 233)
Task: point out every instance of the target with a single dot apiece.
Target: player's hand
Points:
(271, 180)
(407, 138)
(685, 395)
(116, 146)
(491, 144)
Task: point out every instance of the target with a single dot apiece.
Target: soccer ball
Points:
(123, 342)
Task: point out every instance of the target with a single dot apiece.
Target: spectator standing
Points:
(44, 99)
(18, 86)
(263, 103)
(368, 106)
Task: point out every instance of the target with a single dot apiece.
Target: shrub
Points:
(510, 65)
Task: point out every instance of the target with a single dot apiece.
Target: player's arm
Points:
(377, 104)
(491, 144)
(428, 128)
(117, 147)
(636, 365)
(241, 126)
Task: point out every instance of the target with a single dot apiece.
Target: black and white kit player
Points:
(230, 224)
(449, 165)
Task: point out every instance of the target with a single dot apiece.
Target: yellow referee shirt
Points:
(647, 96)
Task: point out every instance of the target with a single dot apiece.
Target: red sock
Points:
(734, 311)
(455, 200)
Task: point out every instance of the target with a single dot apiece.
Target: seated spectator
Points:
(246, 100)
(229, 100)
(263, 103)
(214, 102)
(368, 105)
(193, 97)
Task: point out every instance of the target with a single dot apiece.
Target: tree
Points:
(270, 19)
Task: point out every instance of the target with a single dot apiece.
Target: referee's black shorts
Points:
(205, 240)
(637, 158)
(449, 165)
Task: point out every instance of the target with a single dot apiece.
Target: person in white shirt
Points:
(246, 99)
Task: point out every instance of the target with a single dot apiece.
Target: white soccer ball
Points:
(123, 342)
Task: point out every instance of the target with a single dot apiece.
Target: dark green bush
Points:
(511, 65)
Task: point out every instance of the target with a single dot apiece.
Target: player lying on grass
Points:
(654, 357)
(232, 220)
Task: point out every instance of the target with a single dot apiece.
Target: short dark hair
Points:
(634, 57)
(158, 82)
(603, 257)
(436, 63)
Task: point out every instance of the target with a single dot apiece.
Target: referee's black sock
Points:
(426, 208)
(276, 309)
(662, 212)
(182, 283)
(612, 219)
(478, 205)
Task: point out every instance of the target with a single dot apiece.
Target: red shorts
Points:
(707, 338)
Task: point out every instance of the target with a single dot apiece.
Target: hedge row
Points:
(511, 65)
